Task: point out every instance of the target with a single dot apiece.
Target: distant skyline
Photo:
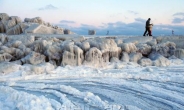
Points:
(119, 17)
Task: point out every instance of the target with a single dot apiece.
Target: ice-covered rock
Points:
(107, 46)
(145, 62)
(33, 58)
(79, 44)
(66, 45)
(7, 67)
(159, 60)
(51, 39)
(18, 54)
(15, 30)
(5, 57)
(11, 25)
(78, 38)
(3, 38)
(114, 60)
(94, 57)
(14, 44)
(152, 42)
(34, 20)
(134, 57)
(41, 29)
(85, 46)
(25, 39)
(125, 57)
(144, 49)
(178, 40)
(14, 52)
(73, 55)
(16, 19)
(2, 28)
(118, 41)
(40, 46)
(4, 16)
(42, 68)
(166, 49)
(37, 69)
(68, 58)
(128, 47)
(154, 55)
(175, 61)
(14, 26)
(47, 24)
(179, 53)
(53, 52)
(25, 49)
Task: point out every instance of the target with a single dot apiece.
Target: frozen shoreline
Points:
(118, 85)
(34, 41)
(42, 68)
(130, 88)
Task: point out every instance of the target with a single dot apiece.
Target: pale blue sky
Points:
(122, 16)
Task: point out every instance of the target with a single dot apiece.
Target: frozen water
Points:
(86, 88)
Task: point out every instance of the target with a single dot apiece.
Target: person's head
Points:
(149, 18)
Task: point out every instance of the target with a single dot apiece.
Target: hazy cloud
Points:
(67, 22)
(86, 25)
(178, 20)
(140, 20)
(133, 12)
(179, 14)
(48, 7)
(115, 15)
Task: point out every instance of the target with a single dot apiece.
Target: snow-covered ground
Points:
(85, 88)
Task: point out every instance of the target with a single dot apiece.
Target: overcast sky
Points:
(125, 17)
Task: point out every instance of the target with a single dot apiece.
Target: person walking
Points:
(148, 27)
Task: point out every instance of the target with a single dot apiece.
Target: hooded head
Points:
(149, 18)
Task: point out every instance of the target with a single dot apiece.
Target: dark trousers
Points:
(147, 29)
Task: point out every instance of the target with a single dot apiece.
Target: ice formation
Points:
(34, 41)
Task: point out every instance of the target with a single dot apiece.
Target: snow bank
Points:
(22, 100)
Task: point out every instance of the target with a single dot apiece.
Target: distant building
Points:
(172, 32)
(107, 33)
(66, 31)
(91, 32)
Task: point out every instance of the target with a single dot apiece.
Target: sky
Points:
(119, 17)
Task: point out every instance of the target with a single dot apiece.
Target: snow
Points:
(131, 87)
